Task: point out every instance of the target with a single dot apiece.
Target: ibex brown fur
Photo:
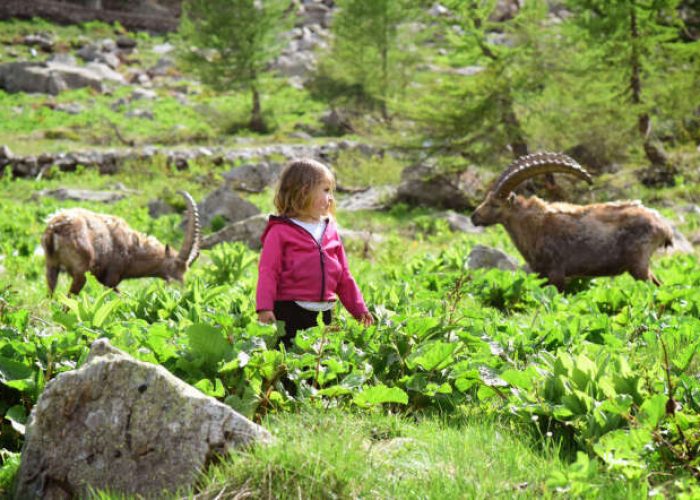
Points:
(78, 240)
(562, 240)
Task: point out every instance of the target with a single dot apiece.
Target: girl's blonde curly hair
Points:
(296, 185)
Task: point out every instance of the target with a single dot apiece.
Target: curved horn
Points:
(190, 245)
(534, 164)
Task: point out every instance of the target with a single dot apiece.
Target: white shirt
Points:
(315, 229)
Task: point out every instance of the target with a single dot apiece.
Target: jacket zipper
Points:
(320, 254)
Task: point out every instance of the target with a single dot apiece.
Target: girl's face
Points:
(321, 198)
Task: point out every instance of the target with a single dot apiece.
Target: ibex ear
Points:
(168, 250)
(511, 198)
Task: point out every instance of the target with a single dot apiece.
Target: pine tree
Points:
(231, 42)
(481, 115)
(638, 44)
(368, 64)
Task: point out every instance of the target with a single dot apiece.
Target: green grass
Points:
(335, 454)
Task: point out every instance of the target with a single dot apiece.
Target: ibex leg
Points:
(52, 277)
(78, 284)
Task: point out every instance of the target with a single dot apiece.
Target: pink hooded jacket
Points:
(293, 266)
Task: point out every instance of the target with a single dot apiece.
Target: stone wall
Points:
(147, 15)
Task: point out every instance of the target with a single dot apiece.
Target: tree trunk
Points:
(385, 68)
(257, 123)
(653, 149)
(514, 131)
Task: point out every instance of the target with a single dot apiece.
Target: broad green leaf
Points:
(620, 405)
(628, 383)
(208, 342)
(380, 394)
(464, 384)
(432, 356)
(269, 363)
(26, 385)
(69, 320)
(104, 311)
(484, 393)
(353, 380)
(576, 402)
(584, 372)
(521, 380)
(160, 340)
(13, 370)
(653, 410)
(334, 391)
(562, 412)
(622, 450)
(245, 404)
(17, 416)
(683, 359)
(215, 389)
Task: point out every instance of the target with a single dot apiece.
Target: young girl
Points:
(302, 265)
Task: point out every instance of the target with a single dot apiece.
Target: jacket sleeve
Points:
(269, 269)
(347, 290)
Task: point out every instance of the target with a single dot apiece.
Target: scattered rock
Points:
(483, 257)
(110, 162)
(253, 178)
(461, 223)
(158, 208)
(225, 203)
(41, 40)
(80, 195)
(423, 184)
(54, 77)
(121, 424)
(248, 231)
(374, 198)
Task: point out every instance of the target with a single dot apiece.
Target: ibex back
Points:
(80, 241)
(563, 240)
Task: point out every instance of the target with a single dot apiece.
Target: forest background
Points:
(473, 381)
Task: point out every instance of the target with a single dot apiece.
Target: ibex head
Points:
(500, 197)
(176, 264)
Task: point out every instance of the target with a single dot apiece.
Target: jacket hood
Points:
(275, 220)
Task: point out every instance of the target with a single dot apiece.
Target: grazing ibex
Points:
(562, 240)
(78, 240)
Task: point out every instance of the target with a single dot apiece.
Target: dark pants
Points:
(296, 318)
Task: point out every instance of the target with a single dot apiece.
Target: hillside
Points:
(478, 377)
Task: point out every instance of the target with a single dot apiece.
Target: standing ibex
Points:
(562, 240)
(78, 240)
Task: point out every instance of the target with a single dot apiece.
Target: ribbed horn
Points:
(534, 164)
(190, 245)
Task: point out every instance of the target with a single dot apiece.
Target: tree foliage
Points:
(231, 42)
(639, 47)
(480, 110)
(371, 56)
(595, 78)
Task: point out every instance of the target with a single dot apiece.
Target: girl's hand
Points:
(366, 319)
(266, 317)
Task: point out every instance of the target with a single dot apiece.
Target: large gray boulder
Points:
(225, 203)
(54, 77)
(247, 231)
(423, 184)
(253, 177)
(483, 257)
(374, 198)
(125, 425)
